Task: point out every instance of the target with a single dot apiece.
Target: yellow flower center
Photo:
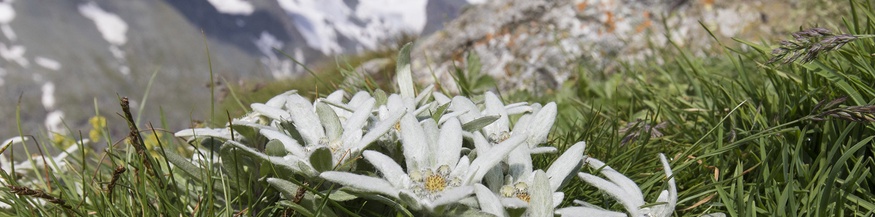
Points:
(523, 196)
(435, 183)
(519, 190)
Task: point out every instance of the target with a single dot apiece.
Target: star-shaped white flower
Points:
(535, 123)
(436, 173)
(626, 191)
(324, 133)
(332, 132)
(540, 199)
(520, 183)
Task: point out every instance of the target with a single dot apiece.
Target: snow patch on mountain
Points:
(110, 25)
(48, 63)
(112, 28)
(7, 14)
(233, 7)
(324, 23)
(48, 98)
(14, 53)
(278, 67)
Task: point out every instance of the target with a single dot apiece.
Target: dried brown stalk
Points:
(637, 128)
(25, 191)
(137, 140)
(115, 176)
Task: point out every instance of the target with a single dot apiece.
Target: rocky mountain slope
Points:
(62, 58)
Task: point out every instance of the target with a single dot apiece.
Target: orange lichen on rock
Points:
(645, 24)
(581, 6)
(610, 22)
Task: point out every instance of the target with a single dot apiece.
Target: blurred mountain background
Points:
(61, 59)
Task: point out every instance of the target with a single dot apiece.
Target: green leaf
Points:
(321, 159)
(440, 112)
(275, 148)
(479, 123)
(249, 133)
(287, 188)
(473, 66)
(380, 97)
(333, 128)
(212, 144)
(297, 207)
(403, 73)
(341, 195)
(184, 164)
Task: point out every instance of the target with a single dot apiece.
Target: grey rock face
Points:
(537, 45)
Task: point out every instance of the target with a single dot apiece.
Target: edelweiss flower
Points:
(436, 175)
(518, 186)
(535, 125)
(626, 191)
(325, 134)
(331, 132)
(541, 199)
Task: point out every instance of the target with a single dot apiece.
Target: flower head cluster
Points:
(436, 154)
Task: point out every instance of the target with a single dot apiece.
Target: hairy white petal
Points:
(277, 101)
(270, 112)
(513, 202)
(336, 96)
(447, 116)
(541, 203)
(464, 104)
(618, 179)
(360, 116)
(440, 98)
(570, 161)
(629, 202)
(520, 162)
(544, 150)
(391, 170)
(361, 183)
(450, 143)
(557, 198)
(359, 98)
(540, 125)
(379, 130)
(414, 143)
(432, 133)
(587, 212)
(462, 167)
(288, 142)
(196, 132)
(489, 203)
(424, 95)
(452, 195)
(494, 106)
(671, 195)
(483, 163)
(305, 119)
(481, 144)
